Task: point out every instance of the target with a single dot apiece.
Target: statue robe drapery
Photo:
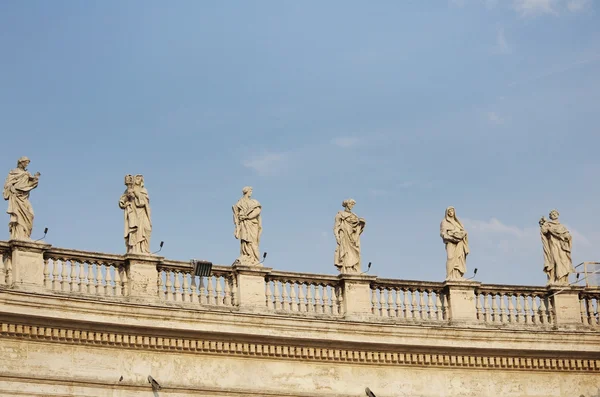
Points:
(454, 236)
(248, 228)
(347, 230)
(17, 187)
(138, 224)
(557, 242)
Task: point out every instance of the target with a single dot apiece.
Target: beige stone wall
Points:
(35, 368)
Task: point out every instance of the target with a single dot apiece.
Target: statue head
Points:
(348, 204)
(23, 162)
(247, 191)
(451, 212)
(553, 215)
(128, 180)
(139, 180)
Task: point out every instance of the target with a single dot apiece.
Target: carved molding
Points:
(280, 351)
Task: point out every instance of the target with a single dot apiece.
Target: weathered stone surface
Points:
(347, 230)
(19, 183)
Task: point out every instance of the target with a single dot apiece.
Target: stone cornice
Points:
(294, 352)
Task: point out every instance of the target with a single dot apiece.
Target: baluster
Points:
(218, 292)
(227, 291)
(210, 288)
(487, 306)
(330, 298)
(582, 311)
(421, 304)
(339, 293)
(445, 306)
(124, 280)
(276, 291)
(108, 290)
(494, 308)
(390, 302)
(413, 304)
(526, 309)
(3, 256)
(478, 305)
(8, 269)
(318, 300)
(203, 299)
(55, 263)
(269, 295)
(193, 289)
(46, 274)
(501, 309)
(301, 298)
(430, 304)
(293, 302)
(512, 315)
(405, 305)
(73, 276)
(285, 301)
(177, 286)
(63, 277)
(234, 300)
(438, 304)
(373, 300)
(169, 293)
(520, 310)
(397, 302)
(590, 311)
(310, 298)
(81, 278)
(98, 278)
(186, 288)
(543, 311)
(335, 304)
(118, 281)
(90, 278)
(160, 284)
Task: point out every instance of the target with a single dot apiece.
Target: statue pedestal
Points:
(27, 264)
(251, 286)
(461, 300)
(142, 275)
(357, 294)
(566, 304)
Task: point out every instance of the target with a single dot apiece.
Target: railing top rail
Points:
(274, 275)
(4, 245)
(184, 266)
(65, 253)
(391, 282)
(511, 288)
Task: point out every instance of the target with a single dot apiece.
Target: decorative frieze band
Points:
(264, 350)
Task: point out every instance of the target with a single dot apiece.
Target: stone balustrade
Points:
(154, 280)
(409, 300)
(304, 293)
(84, 272)
(176, 283)
(522, 305)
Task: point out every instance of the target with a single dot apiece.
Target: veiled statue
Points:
(454, 235)
(19, 183)
(136, 205)
(248, 228)
(347, 230)
(557, 242)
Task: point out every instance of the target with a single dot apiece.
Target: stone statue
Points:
(138, 225)
(556, 241)
(248, 228)
(454, 236)
(19, 183)
(347, 230)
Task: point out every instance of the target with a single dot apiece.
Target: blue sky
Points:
(406, 106)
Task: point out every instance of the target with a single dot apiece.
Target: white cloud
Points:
(535, 7)
(578, 5)
(502, 46)
(345, 141)
(493, 117)
(266, 164)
